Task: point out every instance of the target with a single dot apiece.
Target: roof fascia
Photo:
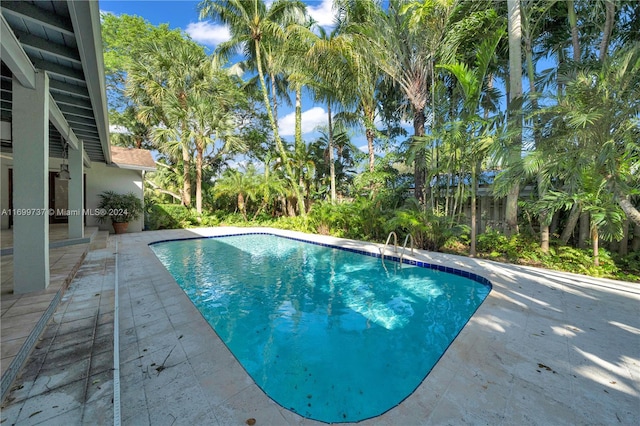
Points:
(15, 57)
(85, 18)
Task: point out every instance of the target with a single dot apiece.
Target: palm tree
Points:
(477, 129)
(213, 119)
(268, 184)
(407, 41)
(338, 170)
(321, 55)
(243, 186)
(515, 108)
(161, 81)
(136, 134)
(250, 23)
(600, 110)
(359, 68)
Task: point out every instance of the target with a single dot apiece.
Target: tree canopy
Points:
(523, 116)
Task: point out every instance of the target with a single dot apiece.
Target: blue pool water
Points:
(333, 335)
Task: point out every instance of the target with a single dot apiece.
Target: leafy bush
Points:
(121, 208)
(580, 261)
(430, 230)
(361, 219)
(175, 216)
(629, 266)
(525, 250)
(517, 249)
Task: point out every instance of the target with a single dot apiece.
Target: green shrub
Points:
(431, 231)
(362, 219)
(629, 264)
(580, 261)
(121, 208)
(175, 216)
(517, 249)
(296, 223)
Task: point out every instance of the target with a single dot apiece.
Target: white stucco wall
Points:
(99, 178)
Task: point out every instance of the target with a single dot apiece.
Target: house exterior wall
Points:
(99, 178)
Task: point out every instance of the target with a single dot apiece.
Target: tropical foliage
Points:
(501, 129)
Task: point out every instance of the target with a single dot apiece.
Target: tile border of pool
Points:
(454, 271)
(447, 269)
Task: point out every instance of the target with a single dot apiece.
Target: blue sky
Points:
(183, 14)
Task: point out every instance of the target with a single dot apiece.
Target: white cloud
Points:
(322, 13)
(311, 119)
(115, 128)
(208, 33)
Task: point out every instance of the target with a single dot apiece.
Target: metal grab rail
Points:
(404, 246)
(408, 238)
(395, 244)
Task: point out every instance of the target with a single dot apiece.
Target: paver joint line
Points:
(116, 345)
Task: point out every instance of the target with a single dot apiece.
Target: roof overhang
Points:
(132, 159)
(15, 57)
(85, 16)
(133, 167)
(62, 38)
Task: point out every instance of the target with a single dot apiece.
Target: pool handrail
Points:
(395, 244)
(404, 246)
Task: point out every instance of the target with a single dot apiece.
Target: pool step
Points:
(100, 240)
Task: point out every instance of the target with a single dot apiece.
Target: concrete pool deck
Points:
(545, 347)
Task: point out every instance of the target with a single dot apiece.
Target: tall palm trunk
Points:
(298, 133)
(186, 168)
(474, 187)
(372, 158)
(635, 242)
(623, 248)
(242, 206)
(629, 210)
(515, 95)
(199, 155)
(298, 113)
(595, 242)
(573, 23)
(419, 166)
(276, 135)
(574, 215)
(610, 9)
(274, 96)
(584, 229)
(531, 74)
(369, 115)
(332, 166)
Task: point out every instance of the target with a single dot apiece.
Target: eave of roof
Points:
(64, 39)
(132, 158)
(92, 63)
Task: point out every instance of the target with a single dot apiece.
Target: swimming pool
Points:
(328, 333)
